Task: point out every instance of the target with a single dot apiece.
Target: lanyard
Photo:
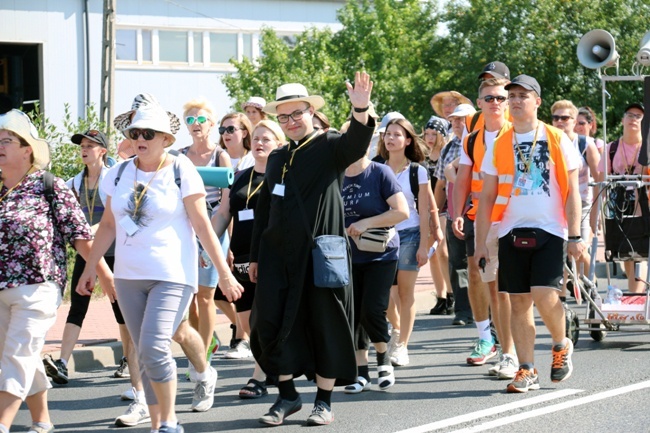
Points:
(293, 153)
(532, 149)
(90, 203)
(629, 168)
(138, 198)
(16, 185)
(248, 193)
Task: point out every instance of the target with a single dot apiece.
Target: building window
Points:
(197, 37)
(223, 47)
(125, 45)
(146, 45)
(172, 46)
(248, 45)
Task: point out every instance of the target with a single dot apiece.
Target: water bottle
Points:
(614, 295)
(432, 250)
(207, 263)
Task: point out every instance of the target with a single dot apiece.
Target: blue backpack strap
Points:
(582, 146)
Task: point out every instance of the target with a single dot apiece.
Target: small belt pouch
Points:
(330, 256)
(374, 240)
(524, 238)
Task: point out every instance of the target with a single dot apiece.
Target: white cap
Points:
(463, 110)
(387, 118)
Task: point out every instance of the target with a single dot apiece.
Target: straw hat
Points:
(123, 121)
(19, 123)
(436, 100)
(293, 92)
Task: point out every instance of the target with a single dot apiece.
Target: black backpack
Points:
(582, 147)
(413, 177)
(48, 189)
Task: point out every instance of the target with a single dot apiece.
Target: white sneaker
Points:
(137, 413)
(128, 395)
(203, 397)
(241, 351)
(190, 374)
(400, 356)
(392, 343)
(508, 366)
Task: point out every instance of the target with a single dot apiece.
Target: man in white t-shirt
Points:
(530, 185)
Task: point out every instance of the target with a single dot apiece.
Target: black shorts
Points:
(523, 268)
(468, 229)
(245, 303)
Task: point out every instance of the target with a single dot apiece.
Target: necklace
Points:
(629, 168)
(138, 198)
(90, 203)
(16, 185)
(401, 167)
(529, 160)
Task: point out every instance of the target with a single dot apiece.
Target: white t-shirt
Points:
(239, 164)
(539, 204)
(489, 142)
(403, 178)
(164, 247)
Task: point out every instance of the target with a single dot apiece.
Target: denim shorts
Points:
(409, 242)
(209, 277)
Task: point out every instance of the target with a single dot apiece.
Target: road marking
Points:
(491, 411)
(556, 407)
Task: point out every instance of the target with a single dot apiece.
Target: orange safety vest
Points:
(504, 162)
(478, 152)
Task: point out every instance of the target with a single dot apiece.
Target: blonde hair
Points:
(492, 82)
(199, 103)
(274, 128)
(244, 122)
(565, 104)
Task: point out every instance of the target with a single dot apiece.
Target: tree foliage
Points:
(403, 46)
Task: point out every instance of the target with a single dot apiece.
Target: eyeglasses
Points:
(198, 119)
(7, 141)
(490, 98)
(227, 129)
(634, 116)
(562, 118)
(147, 134)
(296, 115)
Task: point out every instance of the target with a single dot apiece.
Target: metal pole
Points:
(108, 64)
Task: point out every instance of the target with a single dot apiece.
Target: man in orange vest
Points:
(530, 185)
(493, 103)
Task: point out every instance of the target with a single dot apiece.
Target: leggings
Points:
(78, 303)
(371, 284)
(153, 310)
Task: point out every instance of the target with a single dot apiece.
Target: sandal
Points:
(386, 377)
(253, 389)
(361, 384)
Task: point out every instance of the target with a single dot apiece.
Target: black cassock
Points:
(298, 328)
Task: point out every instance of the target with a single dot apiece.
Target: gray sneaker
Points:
(505, 368)
(167, 429)
(203, 397)
(36, 429)
(241, 351)
(137, 413)
(321, 414)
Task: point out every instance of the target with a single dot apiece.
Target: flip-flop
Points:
(253, 389)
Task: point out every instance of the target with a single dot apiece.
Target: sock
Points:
(484, 330)
(563, 299)
(324, 396)
(44, 425)
(362, 370)
(527, 366)
(141, 397)
(64, 362)
(287, 390)
(382, 359)
(3, 429)
(170, 424)
(561, 343)
(202, 377)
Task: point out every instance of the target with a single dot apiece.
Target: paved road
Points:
(608, 392)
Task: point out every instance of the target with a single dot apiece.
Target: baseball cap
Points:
(92, 135)
(463, 110)
(496, 69)
(387, 118)
(634, 105)
(527, 82)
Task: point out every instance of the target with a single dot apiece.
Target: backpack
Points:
(612, 152)
(48, 189)
(471, 142)
(582, 147)
(474, 120)
(413, 177)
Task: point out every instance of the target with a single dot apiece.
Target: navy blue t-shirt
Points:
(365, 196)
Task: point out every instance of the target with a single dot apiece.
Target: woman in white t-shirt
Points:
(155, 208)
(401, 147)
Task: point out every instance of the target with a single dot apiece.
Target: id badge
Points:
(524, 182)
(246, 215)
(128, 225)
(278, 190)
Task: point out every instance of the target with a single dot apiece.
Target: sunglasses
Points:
(147, 134)
(490, 98)
(582, 123)
(562, 118)
(227, 129)
(198, 119)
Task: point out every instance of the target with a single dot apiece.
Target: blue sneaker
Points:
(483, 351)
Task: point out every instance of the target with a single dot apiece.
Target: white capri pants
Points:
(153, 310)
(26, 314)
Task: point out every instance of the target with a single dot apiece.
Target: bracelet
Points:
(572, 240)
(575, 237)
(361, 110)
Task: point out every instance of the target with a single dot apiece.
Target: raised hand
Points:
(360, 93)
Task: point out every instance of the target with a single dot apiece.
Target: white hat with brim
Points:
(123, 121)
(436, 100)
(463, 110)
(254, 101)
(152, 117)
(19, 123)
(293, 92)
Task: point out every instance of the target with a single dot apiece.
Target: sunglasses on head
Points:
(198, 119)
(562, 118)
(147, 134)
(227, 129)
(92, 133)
(490, 98)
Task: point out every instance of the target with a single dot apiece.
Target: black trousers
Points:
(458, 272)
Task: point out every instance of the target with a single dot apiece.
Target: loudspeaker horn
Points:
(596, 49)
(643, 56)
